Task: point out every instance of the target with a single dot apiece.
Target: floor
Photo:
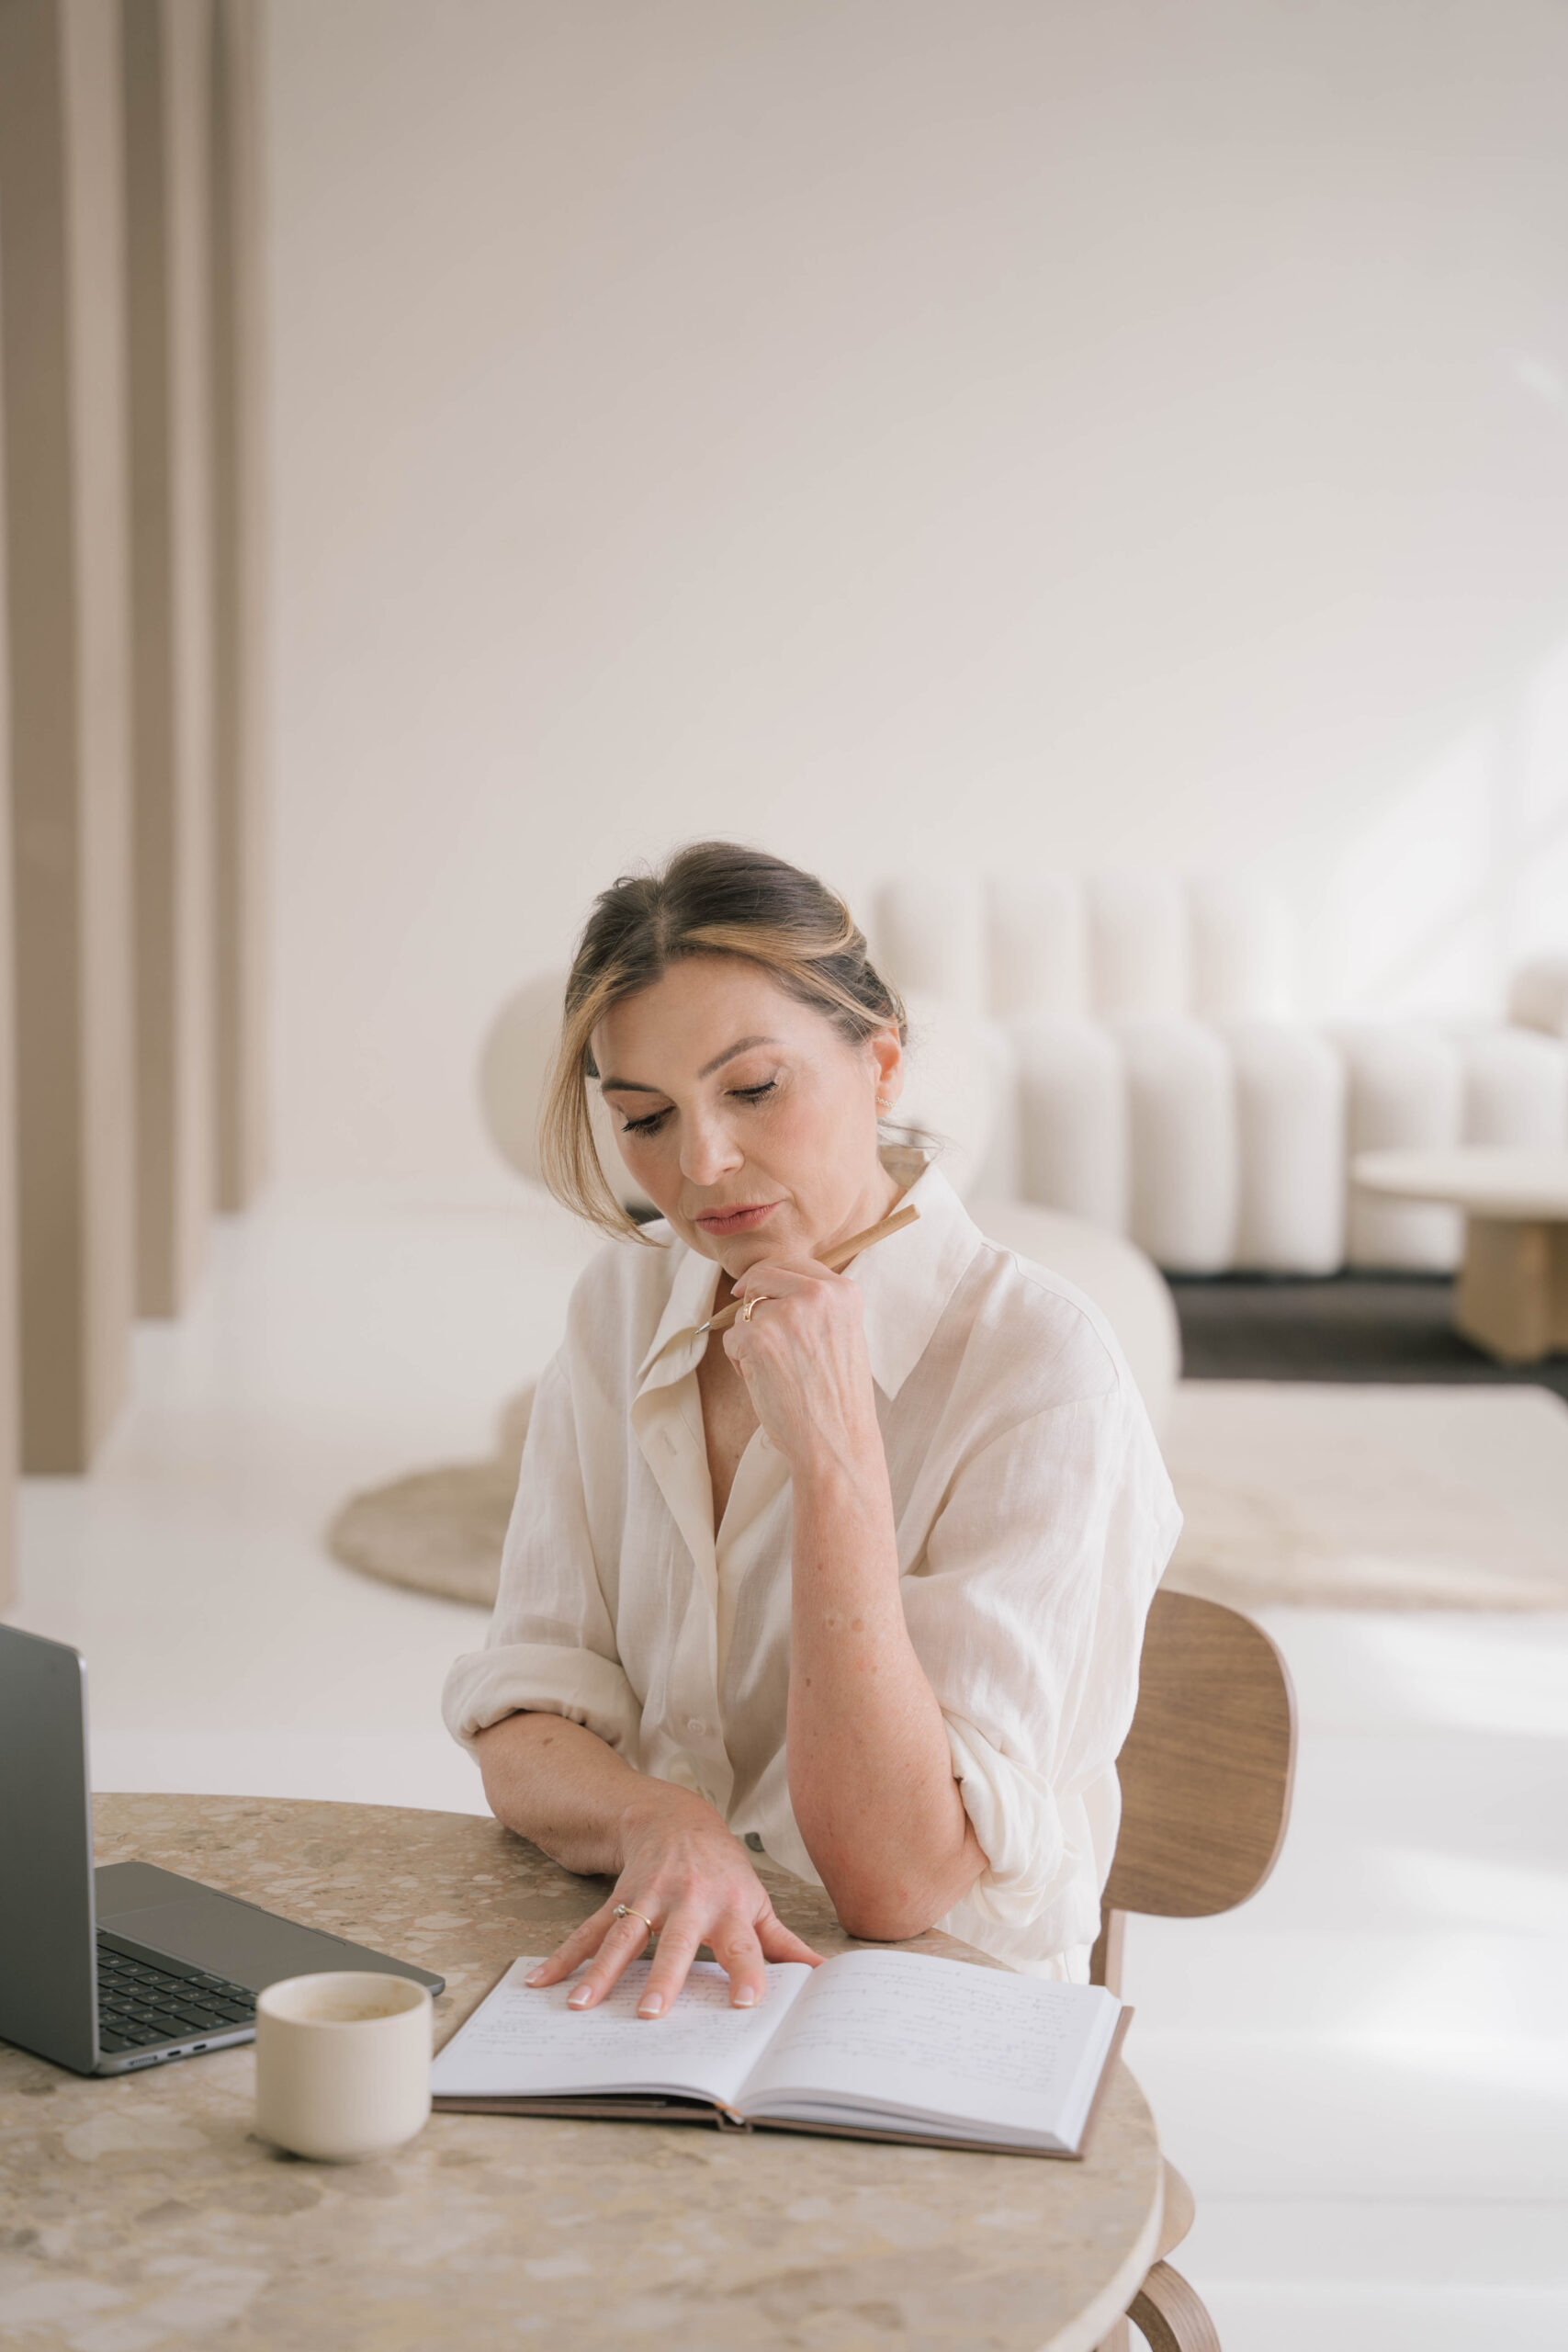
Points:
(1344, 1327)
(1363, 2074)
(1390, 1496)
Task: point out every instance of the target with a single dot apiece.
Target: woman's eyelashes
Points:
(651, 1121)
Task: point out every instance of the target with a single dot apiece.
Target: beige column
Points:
(8, 1335)
(62, 301)
(240, 550)
(168, 65)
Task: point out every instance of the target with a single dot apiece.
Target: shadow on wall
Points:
(1466, 872)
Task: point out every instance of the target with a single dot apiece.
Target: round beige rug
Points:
(439, 1531)
(1323, 1496)
(1339, 1495)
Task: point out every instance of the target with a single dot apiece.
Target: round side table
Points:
(1512, 1295)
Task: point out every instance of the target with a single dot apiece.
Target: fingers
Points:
(796, 1269)
(699, 1890)
(733, 1941)
(575, 1950)
(614, 1944)
(776, 1942)
(783, 1278)
(771, 1290)
(741, 1947)
(808, 1299)
(624, 1941)
(672, 1958)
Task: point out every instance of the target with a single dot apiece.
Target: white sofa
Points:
(1119, 1049)
(1160, 1086)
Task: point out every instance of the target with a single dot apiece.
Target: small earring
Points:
(883, 1106)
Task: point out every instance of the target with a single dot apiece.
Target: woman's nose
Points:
(708, 1151)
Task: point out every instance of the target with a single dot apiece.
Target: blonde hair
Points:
(712, 899)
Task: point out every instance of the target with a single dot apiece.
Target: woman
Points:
(862, 1582)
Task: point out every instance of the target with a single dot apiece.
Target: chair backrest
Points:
(1207, 1767)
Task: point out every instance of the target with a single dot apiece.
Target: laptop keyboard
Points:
(139, 2004)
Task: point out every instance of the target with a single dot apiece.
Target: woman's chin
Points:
(734, 1253)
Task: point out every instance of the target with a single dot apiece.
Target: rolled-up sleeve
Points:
(551, 1647)
(1027, 1613)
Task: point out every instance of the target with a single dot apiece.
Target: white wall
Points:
(903, 432)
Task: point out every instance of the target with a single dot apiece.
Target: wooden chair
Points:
(1206, 1776)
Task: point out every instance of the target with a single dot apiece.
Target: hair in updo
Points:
(712, 899)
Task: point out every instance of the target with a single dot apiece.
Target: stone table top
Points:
(1485, 1180)
(140, 2212)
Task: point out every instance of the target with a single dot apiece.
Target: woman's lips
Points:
(726, 1221)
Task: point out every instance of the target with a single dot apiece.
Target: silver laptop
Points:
(128, 1966)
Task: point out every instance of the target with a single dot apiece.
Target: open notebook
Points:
(885, 2045)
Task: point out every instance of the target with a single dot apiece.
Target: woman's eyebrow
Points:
(630, 1085)
(741, 1045)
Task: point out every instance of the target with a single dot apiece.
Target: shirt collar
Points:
(908, 1279)
(689, 1306)
(906, 1282)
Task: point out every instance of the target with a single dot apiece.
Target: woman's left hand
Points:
(801, 1352)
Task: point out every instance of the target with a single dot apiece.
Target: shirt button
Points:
(695, 1725)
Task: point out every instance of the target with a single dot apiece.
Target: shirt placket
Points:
(667, 1423)
(760, 1476)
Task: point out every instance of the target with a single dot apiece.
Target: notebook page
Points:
(908, 2036)
(524, 2043)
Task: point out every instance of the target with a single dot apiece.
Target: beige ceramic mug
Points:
(343, 2064)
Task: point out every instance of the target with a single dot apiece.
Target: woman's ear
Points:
(888, 1069)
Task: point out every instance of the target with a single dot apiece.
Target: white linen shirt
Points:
(1034, 1519)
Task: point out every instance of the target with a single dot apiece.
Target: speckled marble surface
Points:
(142, 2213)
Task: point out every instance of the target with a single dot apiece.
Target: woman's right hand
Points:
(686, 1870)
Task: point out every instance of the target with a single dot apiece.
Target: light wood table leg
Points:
(1512, 1297)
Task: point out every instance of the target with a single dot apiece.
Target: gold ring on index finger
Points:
(749, 1310)
(627, 1911)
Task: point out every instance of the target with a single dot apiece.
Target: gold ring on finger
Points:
(627, 1911)
(749, 1310)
